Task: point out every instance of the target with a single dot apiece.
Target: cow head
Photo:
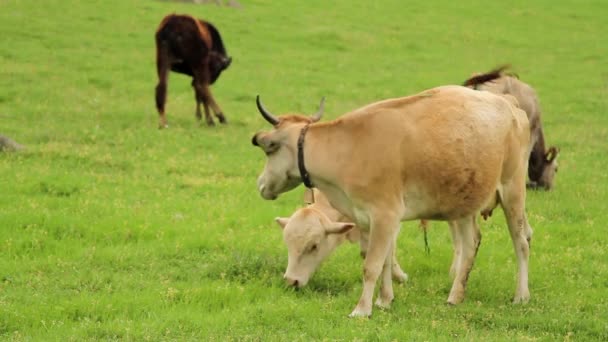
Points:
(310, 238)
(543, 167)
(550, 168)
(281, 172)
(217, 63)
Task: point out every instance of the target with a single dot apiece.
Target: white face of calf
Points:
(310, 238)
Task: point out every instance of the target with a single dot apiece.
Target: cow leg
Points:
(381, 238)
(198, 99)
(398, 273)
(513, 204)
(456, 246)
(386, 295)
(204, 92)
(200, 90)
(470, 238)
(162, 68)
(216, 109)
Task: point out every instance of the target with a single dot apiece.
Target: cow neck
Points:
(301, 167)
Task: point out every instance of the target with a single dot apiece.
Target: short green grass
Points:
(113, 230)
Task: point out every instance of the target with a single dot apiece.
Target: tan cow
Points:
(312, 233)
(542, 165)
(448, 153)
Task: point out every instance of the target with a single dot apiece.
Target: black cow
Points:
(192, 47)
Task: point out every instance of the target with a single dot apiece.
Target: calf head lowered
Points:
(310, 238)
(313, 233)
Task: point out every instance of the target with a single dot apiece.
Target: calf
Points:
(448, 153)
(192, 47)
(313, 233)
(542, 164)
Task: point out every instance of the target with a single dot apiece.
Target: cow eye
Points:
(314, 248)
(271, 148)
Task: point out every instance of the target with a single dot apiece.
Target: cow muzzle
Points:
(267, 195)
(294, 281)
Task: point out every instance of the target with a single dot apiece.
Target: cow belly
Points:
(182, 68)
(450, 201)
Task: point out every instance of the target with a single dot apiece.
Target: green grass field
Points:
(113, 230)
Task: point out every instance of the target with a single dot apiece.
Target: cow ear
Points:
(338, 227)
(282, 221)
(551, 154)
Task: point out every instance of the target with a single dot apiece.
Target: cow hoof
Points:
(360, 314)
(454, 301)
(222, 119)
(400, 277)
(210, 123)
(163, 126)
(523, 299)
(384, 304)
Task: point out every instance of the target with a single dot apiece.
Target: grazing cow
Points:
(542, 165)
(448, 153)
(192, 47)
(313, 233)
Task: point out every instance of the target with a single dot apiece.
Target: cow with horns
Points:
(191, 47)
(448, 153)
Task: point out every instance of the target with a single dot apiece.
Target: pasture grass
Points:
(113, 230)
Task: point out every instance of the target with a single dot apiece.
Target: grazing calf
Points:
(313, 233)
(542, 165)
(192, 47)
(448, 153)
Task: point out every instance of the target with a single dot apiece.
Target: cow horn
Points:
(266, 114)
(318, 115)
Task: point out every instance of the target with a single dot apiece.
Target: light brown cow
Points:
(447, 153)
(542, 165)
(312, 233)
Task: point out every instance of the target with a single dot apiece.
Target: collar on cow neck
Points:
(303, 173)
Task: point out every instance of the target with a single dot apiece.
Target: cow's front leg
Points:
(202, 95)
(386, 295)
(381, 239)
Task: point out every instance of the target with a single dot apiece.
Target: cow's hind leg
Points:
(457, 248)
(513, 204)
(470, 238)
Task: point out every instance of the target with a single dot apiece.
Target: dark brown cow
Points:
(542, 165)
(192, 47)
